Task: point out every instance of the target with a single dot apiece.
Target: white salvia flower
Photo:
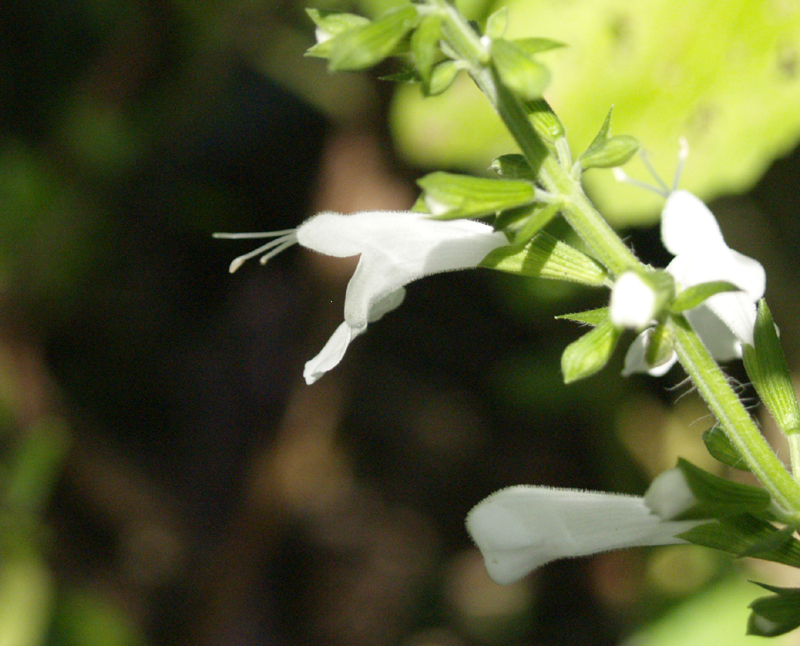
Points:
(633, 302)
(521, 528)
(396, 248)
(726, 320)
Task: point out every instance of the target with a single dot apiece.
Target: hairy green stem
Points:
(732, 416)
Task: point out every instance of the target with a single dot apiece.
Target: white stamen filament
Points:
(283, 240)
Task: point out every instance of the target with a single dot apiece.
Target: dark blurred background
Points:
(167, 477)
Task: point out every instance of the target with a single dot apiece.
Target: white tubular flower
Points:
(726, 320)
(396, 248)
(521, 528)
(633, 302)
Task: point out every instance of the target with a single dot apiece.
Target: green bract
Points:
(766, 366)
(546, 257)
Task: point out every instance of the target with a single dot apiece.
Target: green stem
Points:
(577, 209)
(732, 416)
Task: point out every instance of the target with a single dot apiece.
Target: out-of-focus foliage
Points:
(725, 76)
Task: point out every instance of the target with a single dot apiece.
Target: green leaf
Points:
(776, 614)
(589, 317)
(425, 47)
(497, 23)
(693, 296)
(720, 447)
(590, 353)
(717, 497)
(513, 166)
(767, 368)
(532, 46)
(368, 45)
(547, 257)
(330, 24)
(524, 76)
(738, 534)
(450, 196)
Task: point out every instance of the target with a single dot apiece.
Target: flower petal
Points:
(396, 247)
(723, 326)
(521, 528)
(635, 358)
(688, 226)
(330, 356)
(633, 302)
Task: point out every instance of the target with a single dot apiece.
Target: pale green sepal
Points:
(776, 614)
(512, 166)
(547, 257)
(766, 366)
(330, 24)
(660, 346)
(590, 353)
(533, 46)
(547, 125)
(538, 217)
(497, 23)
(365, 46)
(720, 448)
(442, 77)
(740, 534)
(589, 317)
(425, 47)
(616, 151)
(719, 498)
(449, 196)
(524, 76)
(693, 296)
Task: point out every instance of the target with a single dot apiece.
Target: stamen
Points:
(623, 177)
(649, 166)
(284, 240)
(683, 153)
(244, 236)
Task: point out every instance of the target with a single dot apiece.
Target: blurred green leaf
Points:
(776, 614)
(693, 296)
(522, 74)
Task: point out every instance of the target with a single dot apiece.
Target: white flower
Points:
(726, 320)
(396, 248)
(633, 302)
(521, 528)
